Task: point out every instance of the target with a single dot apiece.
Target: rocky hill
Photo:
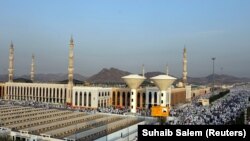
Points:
(111, 75)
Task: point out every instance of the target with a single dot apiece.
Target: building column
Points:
(121, 99)
(146, 102)
(152, 99)
(22, 93)
(53, 95)
(26, 93)
(87, 99)
(78, 99)
(141, 99)
(10, 91)
(169, 97)
(43, 94)
(14, 93)
(115, 98)
(107, 101)
(73, 102)
(59, 98)
(30, 95)
(126, 99)
(110, 101)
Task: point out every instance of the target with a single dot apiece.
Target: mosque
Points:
(134, 97)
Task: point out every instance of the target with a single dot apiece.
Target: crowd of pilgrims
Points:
(222, 111)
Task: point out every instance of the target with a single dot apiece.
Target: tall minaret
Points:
(11, 62)
(143, 70)
(70, 72)
(167, 72)
(32, 72)
(184, 74)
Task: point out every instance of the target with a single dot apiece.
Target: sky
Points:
(125, 34)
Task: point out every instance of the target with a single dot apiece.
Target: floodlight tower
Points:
(213, 73)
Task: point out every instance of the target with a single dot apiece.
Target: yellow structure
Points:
(160, 111)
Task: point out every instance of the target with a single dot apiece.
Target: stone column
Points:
(126, 99)
(152, 99)
(141, 100)
(146, 102)
(121, 99)
(73, 101)
(78, 99)
(115, 98)
(87, 99)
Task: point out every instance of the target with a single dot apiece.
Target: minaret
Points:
(184, 74)
(143, 70)
(70, 72)
(167, 72)
(32, 72)
(11, 62)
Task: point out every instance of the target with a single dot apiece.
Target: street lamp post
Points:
(213, 74)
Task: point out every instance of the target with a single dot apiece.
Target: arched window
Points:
(81, 99)
(7, 89)
(61, 93)
(138, 99)
(155, 98)
(37, 92)
(128, 96)
(47, 92)
(76, 98)
(44, 93)
(24, 91)
(85, 98)
(34, 92)
(123, 99)
(113, 98)
(89, 99)
(54, 92)
(118, 98)
(149, 98)
(18, 92)
(143, 99)
(57, 93)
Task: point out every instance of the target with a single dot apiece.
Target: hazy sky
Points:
(126, 34)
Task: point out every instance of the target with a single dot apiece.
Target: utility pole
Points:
(213, 74)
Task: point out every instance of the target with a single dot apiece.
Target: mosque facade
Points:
(88, 97)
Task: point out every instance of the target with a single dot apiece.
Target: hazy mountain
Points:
(114, 75)
(3, 77)
(22, 80)
(218, 79)
(56, 77)
(111, 75)
(152, 74)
